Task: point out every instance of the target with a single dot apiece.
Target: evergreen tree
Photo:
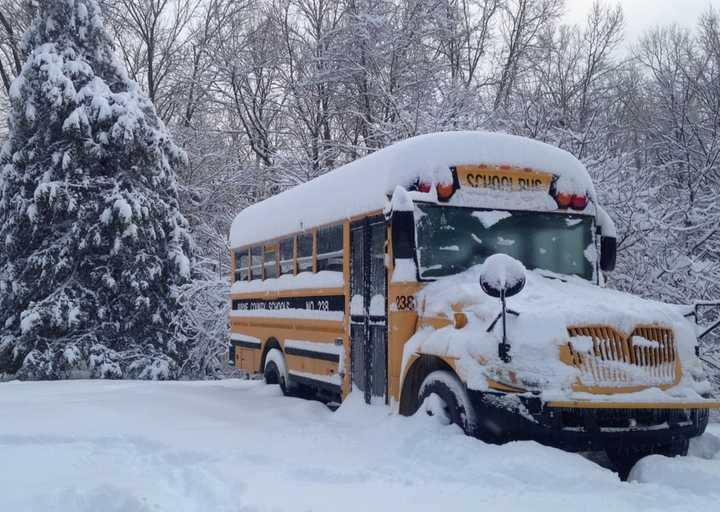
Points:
(93, 242)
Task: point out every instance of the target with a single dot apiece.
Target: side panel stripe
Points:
(292, 351)
(245, 344)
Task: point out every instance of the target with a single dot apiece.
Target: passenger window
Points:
(330, 248)
(287, 256)
(242, 265)
(256, 263)
(305, 252)
(270, 262)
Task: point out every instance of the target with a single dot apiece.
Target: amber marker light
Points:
(563, 200)
(445, 191)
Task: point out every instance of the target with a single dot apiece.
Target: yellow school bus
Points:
(463, 273)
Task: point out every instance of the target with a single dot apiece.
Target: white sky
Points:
(641, 15)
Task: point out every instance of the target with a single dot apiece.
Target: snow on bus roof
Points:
(362, 186)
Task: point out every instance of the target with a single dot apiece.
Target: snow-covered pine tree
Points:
(93, 243)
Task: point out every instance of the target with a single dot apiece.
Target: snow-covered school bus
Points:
(462, 272)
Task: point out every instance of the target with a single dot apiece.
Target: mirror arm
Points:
(503, 346)
(493, 281)
(499, 316)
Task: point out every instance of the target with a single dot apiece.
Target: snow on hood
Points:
(546, 307)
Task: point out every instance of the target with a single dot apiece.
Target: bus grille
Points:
(645, 358)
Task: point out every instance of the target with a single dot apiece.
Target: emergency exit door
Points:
(368, 307)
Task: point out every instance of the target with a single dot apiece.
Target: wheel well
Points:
(420, 369)
(270, 343)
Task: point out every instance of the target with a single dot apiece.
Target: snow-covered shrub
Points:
(202, 324)
(94, 244)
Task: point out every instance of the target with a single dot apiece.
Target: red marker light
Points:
(424, 187)
(578, 202)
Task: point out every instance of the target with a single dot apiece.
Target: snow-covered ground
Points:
(237, 445)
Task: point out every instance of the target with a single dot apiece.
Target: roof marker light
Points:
(578, 202)
(563, 200)
(424, 187)
(445, 191)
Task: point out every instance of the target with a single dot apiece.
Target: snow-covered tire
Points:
(275, 370)
(624, 459)
(442, 395)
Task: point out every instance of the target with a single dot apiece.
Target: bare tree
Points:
(14, 19)
(249, 87)
(522, 23)
(152, 37)
(311, 31)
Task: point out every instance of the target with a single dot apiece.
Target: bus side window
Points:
(256, 263)
(242, 265)
(305, 252)
(330, 248)
(287, 256)
(270, 262)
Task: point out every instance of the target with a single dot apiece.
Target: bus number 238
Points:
(405, 302)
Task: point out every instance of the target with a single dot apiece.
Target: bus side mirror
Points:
(608, 253)
(502, 276)
(402, 227)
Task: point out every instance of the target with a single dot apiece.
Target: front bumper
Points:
(585, 426)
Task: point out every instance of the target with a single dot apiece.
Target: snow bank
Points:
(81, 446)
(688, 473)
(698, 473)
(363, 185)
(707, 446)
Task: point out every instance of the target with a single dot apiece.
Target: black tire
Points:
(453, 398)
(273, 375)
(624, 459)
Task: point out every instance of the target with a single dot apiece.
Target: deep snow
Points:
(240, 446)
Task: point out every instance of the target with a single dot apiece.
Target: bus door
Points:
(368, 307)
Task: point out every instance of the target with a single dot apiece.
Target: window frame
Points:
(333, 254)
(253, 266)
(267, 249)
(293, 241)
(296, 238)
(311, 234)
(238, 254)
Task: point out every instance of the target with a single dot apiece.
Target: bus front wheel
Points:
(275, 371)
(443, 396)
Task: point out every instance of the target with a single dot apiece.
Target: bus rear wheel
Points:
(443, 396)
(275, 370)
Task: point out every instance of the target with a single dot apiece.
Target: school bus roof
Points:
(362, 186)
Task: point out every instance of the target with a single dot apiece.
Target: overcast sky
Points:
(641, 15)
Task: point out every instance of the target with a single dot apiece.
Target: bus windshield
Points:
(452, 239)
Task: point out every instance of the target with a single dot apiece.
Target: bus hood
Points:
(550, 309)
